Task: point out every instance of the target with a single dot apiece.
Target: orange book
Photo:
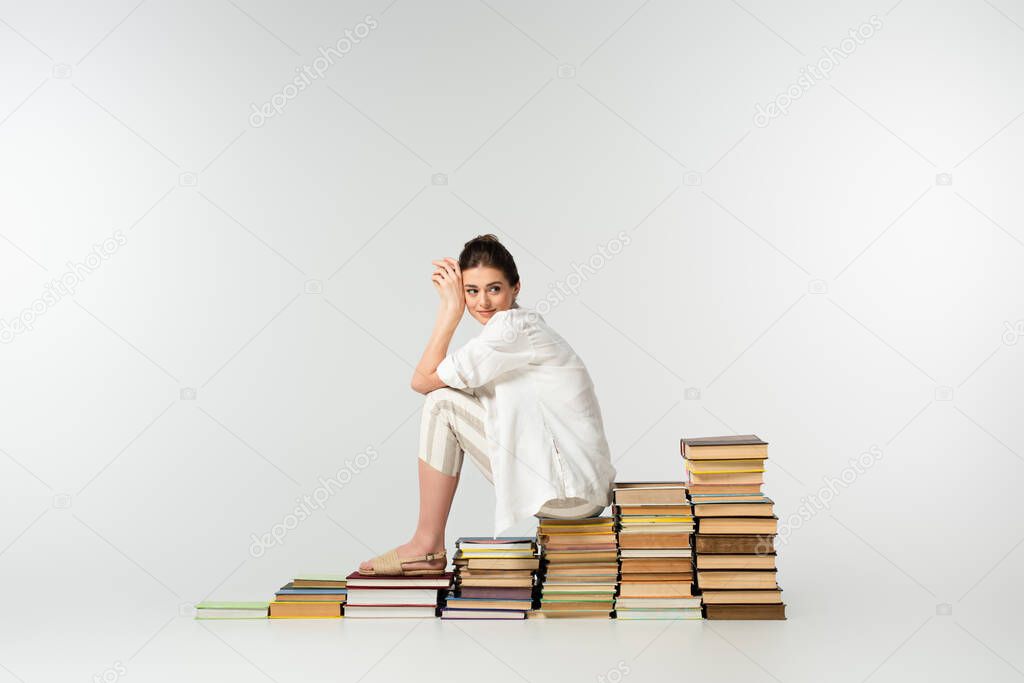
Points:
(305, 610)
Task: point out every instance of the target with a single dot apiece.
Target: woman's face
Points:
(487, 292)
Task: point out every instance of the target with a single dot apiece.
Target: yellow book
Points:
(716, 471)
(646, 519)
(724, 466)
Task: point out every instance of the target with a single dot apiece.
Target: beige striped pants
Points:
(452, 424)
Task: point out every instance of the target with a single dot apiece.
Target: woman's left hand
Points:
(448, 280)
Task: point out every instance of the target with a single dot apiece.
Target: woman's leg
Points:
(452, 423)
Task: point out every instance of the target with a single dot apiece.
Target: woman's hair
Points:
(487, 251)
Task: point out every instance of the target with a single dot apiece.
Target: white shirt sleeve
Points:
(503, 345)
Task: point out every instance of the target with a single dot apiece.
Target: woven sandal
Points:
(388, 564)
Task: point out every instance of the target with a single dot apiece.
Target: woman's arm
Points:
(448, 281)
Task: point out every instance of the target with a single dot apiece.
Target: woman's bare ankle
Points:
(427, 544)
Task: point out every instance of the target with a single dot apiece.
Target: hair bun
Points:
(483, 238)
(487, 250)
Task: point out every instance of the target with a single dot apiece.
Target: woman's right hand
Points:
(447, 280)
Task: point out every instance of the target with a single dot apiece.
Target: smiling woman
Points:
(490, 278)
(516, 398)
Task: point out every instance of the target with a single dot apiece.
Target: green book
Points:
(232, 610)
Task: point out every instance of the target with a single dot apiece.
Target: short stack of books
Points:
(579, 568)
(371, 596)
(494, 578)
(310, 596)
(654, 522)
(232, 610)
(736, 528)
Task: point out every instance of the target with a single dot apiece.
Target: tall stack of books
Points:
(310, 596)
(736, 528)
(654, 522)
(371, 596)
(579, 566)
(494, 578)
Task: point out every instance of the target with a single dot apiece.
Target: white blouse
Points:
(545, 434)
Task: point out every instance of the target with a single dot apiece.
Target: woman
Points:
(516, 398)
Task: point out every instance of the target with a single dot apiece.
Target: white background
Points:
(810, 281)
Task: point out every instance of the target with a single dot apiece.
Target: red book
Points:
(439, 580)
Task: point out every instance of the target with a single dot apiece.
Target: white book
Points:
(356, 612)
(392, 596)
(655, 552)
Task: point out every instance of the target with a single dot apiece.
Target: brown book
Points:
(475, 563)
(575, 525)
(653, 540)
(722, 579)
(581, 555)
(728, 478)
(647, 484)
(731, 498)
(735, 544)
(727, 509)
(655, 565)
(580, 584)
(739, 525)
(581, 569)
(654, 589)
(549, 541)
(674, 510)
(573, 605)
(496, 582)
(636, 577)
(496, 573)
(725, 466)
(745, 597)
(724, 447)
(494, 592)
(324, 597)
(660, 530)
(772, 612)
(592, 547)
(304, 610)
(736, 561)
(490, 604)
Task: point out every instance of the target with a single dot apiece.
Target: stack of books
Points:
(310, 596)
(579, 566)
(494, 578)
(232, 610)
(371, 596)
(736, 528)
(654, 522)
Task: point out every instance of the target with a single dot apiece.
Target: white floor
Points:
(854, 615)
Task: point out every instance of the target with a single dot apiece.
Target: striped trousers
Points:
(452, 424)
